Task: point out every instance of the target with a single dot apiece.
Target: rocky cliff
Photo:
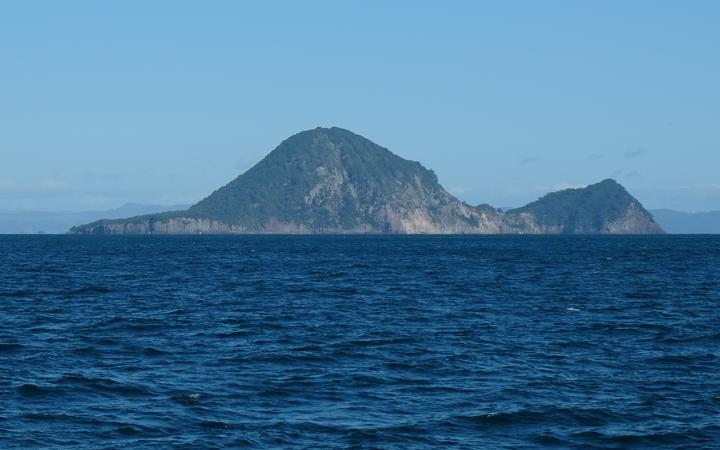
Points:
(329, 180)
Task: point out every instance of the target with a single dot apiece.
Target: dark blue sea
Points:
(359, 342)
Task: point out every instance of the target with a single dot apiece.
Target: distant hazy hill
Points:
(330, 180)
(60, 222)
(688, 223)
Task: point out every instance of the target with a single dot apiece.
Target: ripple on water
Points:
(33, 390)
(153, 352)
(8, 347)
(187, 399)
(213, 424)
(22, 293)
(101, 385)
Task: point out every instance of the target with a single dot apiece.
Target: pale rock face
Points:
(329, 185)
(634, 221)
(181, 225)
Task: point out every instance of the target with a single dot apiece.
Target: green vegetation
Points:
(580, 210)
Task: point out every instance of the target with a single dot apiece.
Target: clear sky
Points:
(107, 102)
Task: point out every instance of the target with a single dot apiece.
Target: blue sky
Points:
(103, 103)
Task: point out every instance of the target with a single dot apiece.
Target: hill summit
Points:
(330, 180)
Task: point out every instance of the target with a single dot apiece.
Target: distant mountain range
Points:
(330, 180)
(676, 222)
(14, 222)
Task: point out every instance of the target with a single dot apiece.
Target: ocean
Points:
(389, 342)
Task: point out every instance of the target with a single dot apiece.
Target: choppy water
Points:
(362, 342)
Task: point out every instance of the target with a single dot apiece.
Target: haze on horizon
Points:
(105, 103)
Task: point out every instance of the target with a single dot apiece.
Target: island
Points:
(333, 181)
